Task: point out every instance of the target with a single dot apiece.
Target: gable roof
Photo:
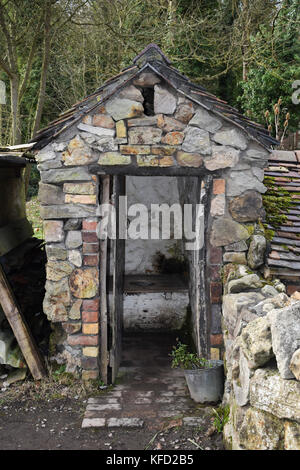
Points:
(153, 59)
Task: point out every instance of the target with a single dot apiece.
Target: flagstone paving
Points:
(148, 391)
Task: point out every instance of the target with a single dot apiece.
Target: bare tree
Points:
(53, 20)
(25, 33)
(13, 34)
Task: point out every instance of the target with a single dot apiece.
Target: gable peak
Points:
(151, 52)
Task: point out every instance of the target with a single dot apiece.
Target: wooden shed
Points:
(15, 242)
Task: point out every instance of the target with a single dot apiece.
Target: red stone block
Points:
(89, 363)
(219, 186)
(83, 340)
(216, 340)
(215, 273)
(91, 260)
(89, 248)
(215, 292)
(215, 255)
(90, 317)
(292, 288)
(91, 226)
(90, 305)
(89, 237)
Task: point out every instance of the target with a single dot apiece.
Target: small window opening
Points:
(148, 94)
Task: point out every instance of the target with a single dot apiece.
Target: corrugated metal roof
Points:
(152, 58)
(284, 257)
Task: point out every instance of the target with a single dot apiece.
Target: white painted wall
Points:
(154, 311)
(148, 190)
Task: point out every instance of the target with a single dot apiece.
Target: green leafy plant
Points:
(181, 357)
(221, 417)
(60, 370)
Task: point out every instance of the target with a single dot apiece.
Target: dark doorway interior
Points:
(145, 303)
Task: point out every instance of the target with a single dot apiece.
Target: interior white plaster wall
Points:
(148, 190)
(154, 311)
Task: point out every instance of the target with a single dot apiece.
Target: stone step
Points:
(112, 423)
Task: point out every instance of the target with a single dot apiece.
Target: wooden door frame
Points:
(203, 319)
(104, 358)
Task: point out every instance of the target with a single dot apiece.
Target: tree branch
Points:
(5, 67)
(9, 40)
(30, 60)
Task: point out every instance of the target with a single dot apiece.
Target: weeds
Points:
(57, 385)
(181, 357)
(221, 417)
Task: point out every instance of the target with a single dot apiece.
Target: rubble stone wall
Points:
(181, 138)
(261, 327)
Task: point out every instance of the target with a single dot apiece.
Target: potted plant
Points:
(204, 377)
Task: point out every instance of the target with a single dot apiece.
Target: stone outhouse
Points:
(151, 134)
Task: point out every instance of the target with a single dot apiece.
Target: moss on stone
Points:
(277, 201)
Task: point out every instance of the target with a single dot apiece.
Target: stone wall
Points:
(261, 327)
(180, 139)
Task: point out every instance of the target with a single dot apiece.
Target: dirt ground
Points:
(49, 417)
(56, 424)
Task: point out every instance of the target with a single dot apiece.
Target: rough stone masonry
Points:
(261, 326)
(183, 135)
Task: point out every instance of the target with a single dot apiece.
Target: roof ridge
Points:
(151, 52)
(153, 58)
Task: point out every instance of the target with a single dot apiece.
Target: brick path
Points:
(148, 391)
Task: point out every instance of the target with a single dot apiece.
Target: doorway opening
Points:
(151, 283)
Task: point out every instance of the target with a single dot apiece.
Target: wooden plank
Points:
(148, 171)
(287, 249)
(283, 176)
(284, 264)
(294, 218)
(283, 156)
(285, 272)
(285, 241)
(14, 234)
(289, 228)
(203, 290)
(295, 212)
(20, 329)
(21, 146)
(116, 314)
(7, 160)
(103, 290)
(284, 255)
(292, 236)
